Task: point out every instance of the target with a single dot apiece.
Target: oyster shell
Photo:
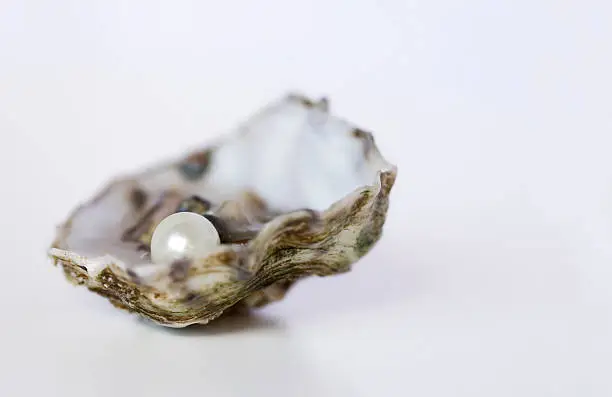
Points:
(293, 192)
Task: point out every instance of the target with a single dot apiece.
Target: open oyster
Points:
(293, 192)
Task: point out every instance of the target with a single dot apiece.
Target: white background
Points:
(494, 276)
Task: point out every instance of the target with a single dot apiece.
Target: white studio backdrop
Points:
(493, 277)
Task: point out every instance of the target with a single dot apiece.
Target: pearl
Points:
(183, 235)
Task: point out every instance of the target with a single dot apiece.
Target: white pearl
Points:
(184, 235)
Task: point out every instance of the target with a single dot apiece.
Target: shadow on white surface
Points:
(233, 323)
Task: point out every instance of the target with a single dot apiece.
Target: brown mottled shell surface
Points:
(293, 192)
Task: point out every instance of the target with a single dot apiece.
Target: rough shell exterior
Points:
(294, 192)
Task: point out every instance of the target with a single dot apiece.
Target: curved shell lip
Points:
(94, 265)
(109, 278)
